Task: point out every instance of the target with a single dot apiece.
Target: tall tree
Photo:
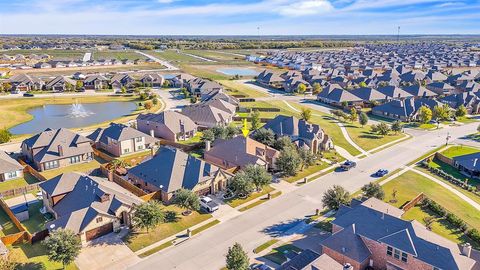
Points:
(425, 114)
(301, 88)
(461, 111)
(363, 119)
(255, 120)
(288, 161)
(307, 158)
(265, 136)
(282, 143)
(306, 114)
(258, 175)
(5, 135)
(241, 184)
(237, 258)
(442, 113)
(335, 196)
(62, 246)
(187, 199)
(373, 190)
(317, 88)
(147, 215)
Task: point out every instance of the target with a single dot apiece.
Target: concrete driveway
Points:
(107, 252)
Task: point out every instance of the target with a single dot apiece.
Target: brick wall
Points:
(414, 202)
(444, 159)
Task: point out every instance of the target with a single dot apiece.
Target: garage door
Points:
(97, 232)
(204, 192)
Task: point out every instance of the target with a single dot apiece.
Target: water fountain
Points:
(77, 110)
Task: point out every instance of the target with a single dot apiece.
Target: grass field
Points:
(7, 225)
(34, 257)
(55, 54)
(216, 56)
(238, 88)
(119, 55)
(410, 184)
(368, 140)
(307, 171)
(173, 56)
(459, 150)
(139, 240)
(26, 180)
(277, 255)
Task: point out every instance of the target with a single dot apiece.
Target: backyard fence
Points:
(22, 235)
(102, 155)
(260, 109)
(20, 190)
(262, 120)
(122, 182)
(184, 147)
(32, 171)
(246, 100)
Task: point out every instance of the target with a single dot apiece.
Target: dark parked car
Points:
(347, 165)
(28, 95)
(381, 173)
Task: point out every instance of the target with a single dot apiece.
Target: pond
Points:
(238, 71)
(73, 116)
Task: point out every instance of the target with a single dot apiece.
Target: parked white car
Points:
(208, 204)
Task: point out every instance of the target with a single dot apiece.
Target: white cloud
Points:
(308, 7)
(167, 1)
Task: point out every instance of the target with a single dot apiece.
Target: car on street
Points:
(28, 95)
(347, 165)
(380, 173)
(208, 204)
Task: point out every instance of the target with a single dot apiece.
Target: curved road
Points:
(206, 251)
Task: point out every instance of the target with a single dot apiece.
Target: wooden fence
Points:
(122, 182)
(102, 155)
(152, 196)
(20, 190)
(29, 169)
(22, 235)
(413, 202)
(184, 147)
(249, 119)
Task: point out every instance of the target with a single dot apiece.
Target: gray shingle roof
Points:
(119, 132)
(8, 164)
(171, 119)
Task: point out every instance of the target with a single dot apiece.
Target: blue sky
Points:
(239, 17)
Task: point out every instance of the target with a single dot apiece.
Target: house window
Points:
(138, 139)
(389, 251)
(12, 174)
(126, 150)
(404, 257)
(397, 254)
(74, 159)
(99, 219)
(140, 147)
(51, 165)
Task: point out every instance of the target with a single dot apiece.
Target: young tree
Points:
(335, 196)
(373, 190)
(116, 164)
(255, 116)
(424, 114)
(363, 119)
(208, 135)
(187, 199)
(306, 114)
(442, 113)
(307, 158)
(148, 105)
(397, 126)
(5, 135)
(288, 161)
(301, 88)
(317, 88)
(79, 85)
(265, 136)
(147, 215)
(353, 114)
(237, 258)
(282, 143)
(62, 246)
(381, 128)
(258, 175)
(241, 184)
(461, 111)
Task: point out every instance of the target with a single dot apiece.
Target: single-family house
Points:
(270, 79)
(152, 79)
(9, 168)
(61, 84)
(207, 116)
(168, 125)
(95, 82)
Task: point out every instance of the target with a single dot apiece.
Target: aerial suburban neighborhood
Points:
(283, 145)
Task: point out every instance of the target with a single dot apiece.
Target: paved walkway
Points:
(198, 57)
(167, 64)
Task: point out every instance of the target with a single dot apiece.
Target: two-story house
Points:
(56, 148)
(168, 125)
(9, 168)
(119, 140)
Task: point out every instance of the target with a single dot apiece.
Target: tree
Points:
(397, 126)
(363, 119)
(441, 113)
(307, 158)
(461, 111)
(255, 120)
(241, 184)
(335, 196)
(317, 88)
(187, 199)
(5, 135)
(148, 105)
(353, 114)
(301, 88)
(237, 258)
(288, 161)
(373, 190)
(424, 114)
(147, 215)
(265, 136)
(116, 164)
(123, 90)
(62, 246)
(306, 114)
(208, 135)
(282, 143)
(79, 85)
(166, 84)
(258, 175)
(8, 262)
(362, 84)
(381, 128)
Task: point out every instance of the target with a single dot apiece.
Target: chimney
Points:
(207, 146)
(152, 133)
(60, 150)
(281, 128)
(466, 249)
(475, 162)
(383, 215)
(347, 266)
(353, 228)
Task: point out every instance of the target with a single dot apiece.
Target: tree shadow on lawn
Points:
(171, 217)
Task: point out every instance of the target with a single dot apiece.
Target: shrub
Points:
(474, 234)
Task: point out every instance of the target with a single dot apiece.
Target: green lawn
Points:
(466, 120)
(459, 150)
(206, 226)
(440, 225)
(33, 257)
(257, 203)
(238, 88)
(236, 202)
(307, 171)
(325, 225)
(453, 171)
(37, 221)
(410, 184)
(26, 180)
(156, 249)
(7, 225)
(215, 55)
(193, 140)
(119, 55)
(368, 140)
(202, 70)
(173, 56)
(82, 167)
(55, 54)
(136, 158)
(277, 255)
(265, 245)
(138, 240)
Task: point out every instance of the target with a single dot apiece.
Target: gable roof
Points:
(119, 132)
(368, 94)
(283, 125)
(171, 119)
(394, 92)
(171, 169)
(470, 161)
(8, 164)
(348, 243)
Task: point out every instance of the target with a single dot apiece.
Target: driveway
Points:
(107, 252)
(172, 98)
